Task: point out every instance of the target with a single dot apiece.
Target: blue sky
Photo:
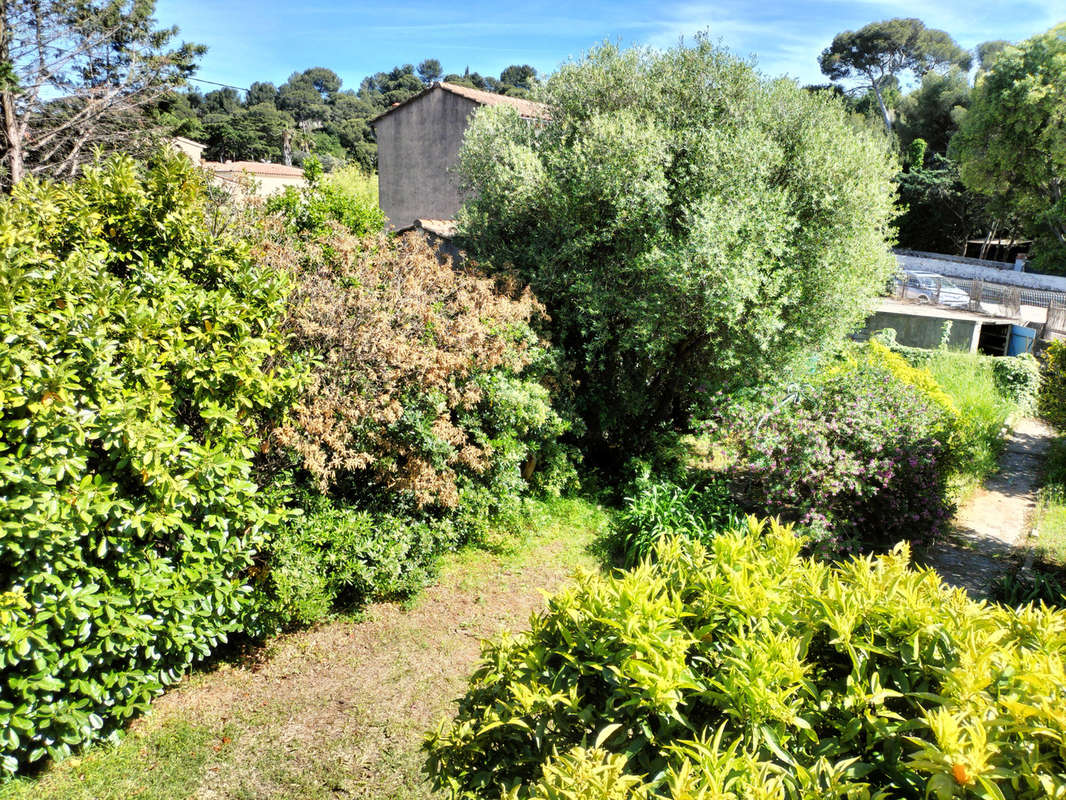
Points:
(268, 40)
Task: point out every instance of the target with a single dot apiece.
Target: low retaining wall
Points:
(924, 331)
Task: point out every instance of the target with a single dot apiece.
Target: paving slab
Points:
(991, 527)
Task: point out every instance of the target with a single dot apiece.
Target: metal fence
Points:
(982, 291)
(1004, 294)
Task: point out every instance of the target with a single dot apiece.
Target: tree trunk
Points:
(286, 147)
(988, 239)
(884, 108)
(12, 133)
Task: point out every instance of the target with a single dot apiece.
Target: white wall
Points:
(965, 268)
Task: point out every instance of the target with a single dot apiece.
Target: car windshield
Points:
(931, 281)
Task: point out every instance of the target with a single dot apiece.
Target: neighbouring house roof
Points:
(528, 109)
(188, 141)
(253, 168)
(194, 150)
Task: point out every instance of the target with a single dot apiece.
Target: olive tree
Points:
(688, 224)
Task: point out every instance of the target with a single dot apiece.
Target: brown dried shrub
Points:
(400, 339)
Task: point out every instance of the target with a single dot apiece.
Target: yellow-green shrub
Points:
(875, 354)
(1052, 399)
(139, 359)
(740, 669)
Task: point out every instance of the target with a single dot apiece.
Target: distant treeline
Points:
(311, 113)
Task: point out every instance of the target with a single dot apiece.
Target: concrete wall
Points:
(958, 267)
(924, 331)
(417, 146)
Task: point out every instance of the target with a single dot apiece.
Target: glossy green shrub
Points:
(1018, 378)
(1052, 399)
(139, 360)
(342, 555)
(740, 669)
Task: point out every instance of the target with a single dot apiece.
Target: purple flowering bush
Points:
(859, 458)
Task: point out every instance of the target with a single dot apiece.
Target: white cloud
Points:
(788, 37)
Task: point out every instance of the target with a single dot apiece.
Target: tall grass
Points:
(969, 380)
(1045, 579)
(1050, 544)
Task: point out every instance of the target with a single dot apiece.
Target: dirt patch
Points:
(340, 710)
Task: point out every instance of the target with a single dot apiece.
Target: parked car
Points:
(928, 287)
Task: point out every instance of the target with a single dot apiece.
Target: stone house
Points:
(229, 175)
(418, 143)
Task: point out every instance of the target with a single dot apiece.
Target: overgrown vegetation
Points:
(425, 420)
(344, 199)
(739, 669)
(207, 433)
(142, 360)
(685, 222)
(223, 416)
(861, 451)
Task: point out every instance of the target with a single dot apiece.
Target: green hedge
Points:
(138, 364)
(1052, 400)
(742, 670)
(1018, 378)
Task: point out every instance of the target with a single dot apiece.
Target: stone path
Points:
(994, 522)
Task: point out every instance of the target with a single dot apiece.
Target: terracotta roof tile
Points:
(254, 168)
(525, 108)
(445, 228)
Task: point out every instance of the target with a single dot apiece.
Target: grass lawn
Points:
(968, 379)
(1049, 546)
(338, 710)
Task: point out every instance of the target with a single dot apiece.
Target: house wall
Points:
(194, 150)
(417, 146)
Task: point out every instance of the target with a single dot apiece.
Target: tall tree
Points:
(932, 112)
(430, 71)
(987, 52)
(307, 95)
(1011, 145)
(261, 92)
(884, 50)
(521, 76)
(75, 74)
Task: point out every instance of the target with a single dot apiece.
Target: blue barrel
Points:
(1021, 340)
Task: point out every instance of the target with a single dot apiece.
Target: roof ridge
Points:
(529, 109)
